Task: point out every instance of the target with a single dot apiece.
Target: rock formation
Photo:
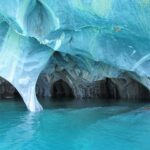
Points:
(96, 48)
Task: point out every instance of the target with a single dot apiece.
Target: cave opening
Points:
(126, 89)
(118, 89)
(110, 90)
(8, 91)
(61, 89)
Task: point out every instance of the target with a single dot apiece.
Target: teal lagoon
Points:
(74, 126)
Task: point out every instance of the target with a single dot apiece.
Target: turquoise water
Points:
(70, 126)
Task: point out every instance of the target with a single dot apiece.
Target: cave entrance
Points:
(61, 89)
(7, 90)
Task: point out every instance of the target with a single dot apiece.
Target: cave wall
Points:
(124, 88)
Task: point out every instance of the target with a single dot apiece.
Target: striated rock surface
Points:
(99, 48)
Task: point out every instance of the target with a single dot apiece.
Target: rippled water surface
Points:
(68, 126)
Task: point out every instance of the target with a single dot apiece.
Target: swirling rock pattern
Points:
(79, 41)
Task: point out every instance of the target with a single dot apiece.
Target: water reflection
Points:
(77, 127)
